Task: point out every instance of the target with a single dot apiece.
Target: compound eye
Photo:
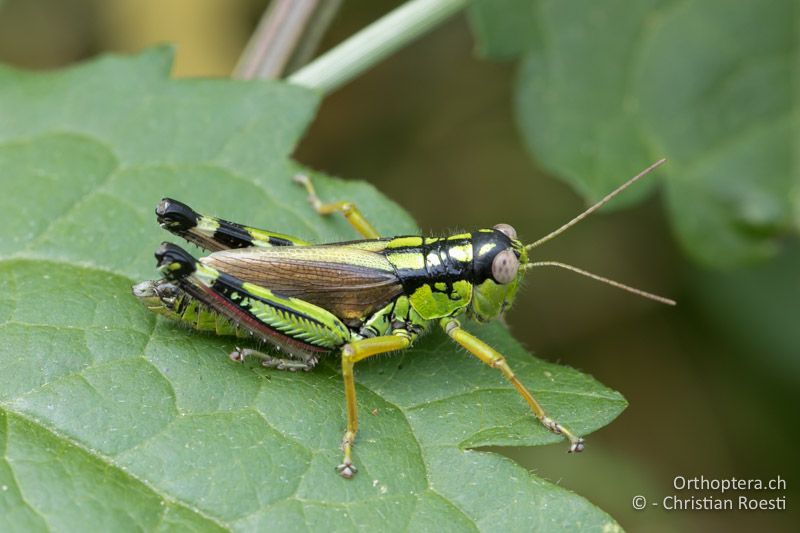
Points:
(505, 266)
(510, 232)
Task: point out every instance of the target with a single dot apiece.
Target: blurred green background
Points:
(711, 384)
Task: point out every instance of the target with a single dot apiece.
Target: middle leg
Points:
(351, 354)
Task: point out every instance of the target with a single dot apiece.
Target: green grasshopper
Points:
(360, 298)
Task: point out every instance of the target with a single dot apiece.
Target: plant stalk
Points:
(369, 46)
(286, 36)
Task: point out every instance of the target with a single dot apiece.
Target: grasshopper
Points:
(359, 298)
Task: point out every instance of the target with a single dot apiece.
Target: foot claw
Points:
(347, 469)
(576, 447)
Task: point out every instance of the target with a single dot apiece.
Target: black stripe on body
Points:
(232, 235)
(440, 267)
(231, 288)
(235, 235)
(241, 317)
(235, 304)
(484, 244)
(180, 219)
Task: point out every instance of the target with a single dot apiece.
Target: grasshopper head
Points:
(499, 261)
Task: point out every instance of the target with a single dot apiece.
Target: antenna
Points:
(596, 206)
(611, 282)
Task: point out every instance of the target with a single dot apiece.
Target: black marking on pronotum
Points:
(448, 269)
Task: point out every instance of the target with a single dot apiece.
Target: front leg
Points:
(352, 353)
(491, 357)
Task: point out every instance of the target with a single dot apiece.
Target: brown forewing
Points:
(351, 283)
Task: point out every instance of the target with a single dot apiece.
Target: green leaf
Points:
(605, 88)
(113, 417)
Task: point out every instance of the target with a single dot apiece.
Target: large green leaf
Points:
(115, 419)
(605, 88)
